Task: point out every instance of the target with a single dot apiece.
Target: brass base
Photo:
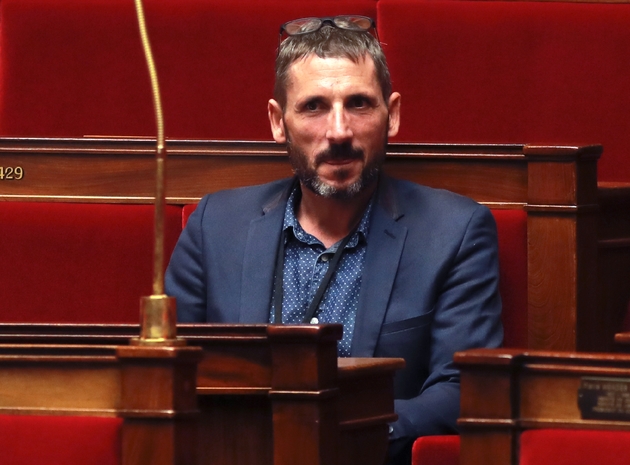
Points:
(158, 322)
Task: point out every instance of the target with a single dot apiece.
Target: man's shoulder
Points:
(259, 194)
(438, 213)
(420, 197)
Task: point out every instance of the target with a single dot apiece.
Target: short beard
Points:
(309, 178)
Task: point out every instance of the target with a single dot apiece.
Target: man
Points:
(409, 271)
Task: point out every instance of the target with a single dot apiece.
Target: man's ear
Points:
(394, 114)
(274, 111)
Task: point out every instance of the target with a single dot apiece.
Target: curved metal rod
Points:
(160, 195)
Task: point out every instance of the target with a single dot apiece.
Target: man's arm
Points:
(185, 275)
(467, 314)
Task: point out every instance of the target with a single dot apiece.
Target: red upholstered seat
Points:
(60, 440)
(87, 263)
(574, 447)
(436, 450)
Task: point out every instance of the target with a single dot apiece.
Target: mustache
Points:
(339, 152)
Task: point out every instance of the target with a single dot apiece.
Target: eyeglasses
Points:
(302, 26)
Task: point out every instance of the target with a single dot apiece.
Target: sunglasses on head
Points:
(356, 23)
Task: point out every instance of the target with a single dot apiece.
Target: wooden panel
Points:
(119, 170)
(562, 176)
(614, 202)
(106, 380)
(492, 447)
(544, 391)
(122, 170)
(552, 268)
(562, 249)
(43, 388)
(613, 263)
(236, 429)
(266, 393)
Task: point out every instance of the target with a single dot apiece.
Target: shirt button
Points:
(325, 258)
(314, 321)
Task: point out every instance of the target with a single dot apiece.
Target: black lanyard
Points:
(278, 288)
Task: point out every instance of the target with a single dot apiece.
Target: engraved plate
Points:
(604, 398)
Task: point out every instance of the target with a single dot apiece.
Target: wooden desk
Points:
(505, 392)
(266, 394)
(150, 388)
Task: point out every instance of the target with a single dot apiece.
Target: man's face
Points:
(335, 123)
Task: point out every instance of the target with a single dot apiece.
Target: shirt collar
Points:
(292, 224)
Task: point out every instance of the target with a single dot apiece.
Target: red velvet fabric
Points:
(435, 450)
(78, 263)
(574, 447)
(51, 440)
(74, 68)
(521, 72)
(512, 232)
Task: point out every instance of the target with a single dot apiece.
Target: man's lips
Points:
(339, 155)
(343, 161)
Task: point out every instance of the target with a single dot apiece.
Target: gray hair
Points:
(330, 42)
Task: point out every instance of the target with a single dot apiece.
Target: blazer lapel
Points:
(259, 261)
(386, 240)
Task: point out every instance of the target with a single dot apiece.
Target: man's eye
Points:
(311, 106)
(358, 102)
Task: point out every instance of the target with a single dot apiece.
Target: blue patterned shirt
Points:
(306, 261)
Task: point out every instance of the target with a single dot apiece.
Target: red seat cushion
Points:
(64, 440)
(574, 447)
(435, 450)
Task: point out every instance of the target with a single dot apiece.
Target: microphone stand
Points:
(158, 312)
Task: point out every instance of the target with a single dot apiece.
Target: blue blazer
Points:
(429, 287)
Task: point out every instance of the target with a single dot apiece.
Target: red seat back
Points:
(73, 68)
(78, 263)
(513, 72)
(60, 440)
(574, 447)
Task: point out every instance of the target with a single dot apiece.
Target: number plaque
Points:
(10, 173)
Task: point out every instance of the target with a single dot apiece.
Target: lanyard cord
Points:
(278, 288)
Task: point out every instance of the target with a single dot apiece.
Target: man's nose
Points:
(338, 127)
